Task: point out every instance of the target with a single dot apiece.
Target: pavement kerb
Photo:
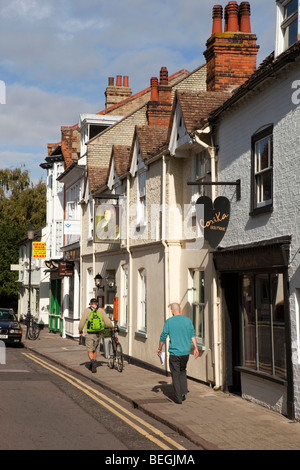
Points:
(145, 407)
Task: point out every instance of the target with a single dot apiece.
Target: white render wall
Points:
(271, 105)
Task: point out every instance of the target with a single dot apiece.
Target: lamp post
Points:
(30, 236)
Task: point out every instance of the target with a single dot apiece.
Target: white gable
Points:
(179, 136)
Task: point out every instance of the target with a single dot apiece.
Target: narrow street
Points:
(44, 407)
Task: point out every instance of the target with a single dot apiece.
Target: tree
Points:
(21, 202)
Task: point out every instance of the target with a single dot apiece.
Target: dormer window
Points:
(287, 24)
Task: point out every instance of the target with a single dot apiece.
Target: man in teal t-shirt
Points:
(181, 332)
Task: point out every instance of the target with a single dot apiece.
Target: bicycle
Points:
(115, 353)
(33, 329)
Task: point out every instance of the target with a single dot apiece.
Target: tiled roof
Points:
(152, 139)
(121, 155)
(197, 106)
(97, 177)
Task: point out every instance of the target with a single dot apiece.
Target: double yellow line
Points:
(103, 400)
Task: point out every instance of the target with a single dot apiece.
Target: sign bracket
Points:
(236, 183)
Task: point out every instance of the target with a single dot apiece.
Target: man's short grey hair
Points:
(175, 306)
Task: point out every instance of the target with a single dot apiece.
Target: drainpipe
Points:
(130, 326)
(214, 288)
(166, 248)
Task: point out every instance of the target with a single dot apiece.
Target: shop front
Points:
(255, 306)
(61, 281)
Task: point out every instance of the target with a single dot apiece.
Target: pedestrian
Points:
(92, 339)
(181, 332)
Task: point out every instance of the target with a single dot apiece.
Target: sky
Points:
(56, 57)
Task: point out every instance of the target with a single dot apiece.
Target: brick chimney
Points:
(159, 106)
(230, 54)
(115, 93)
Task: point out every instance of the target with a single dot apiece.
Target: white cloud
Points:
(29, 9)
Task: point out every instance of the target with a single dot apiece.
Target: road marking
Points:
(13, 370)
(91, 392)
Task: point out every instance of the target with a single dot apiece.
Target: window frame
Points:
(259, 207)
(283, 24)
(263, 315)
(141, 220)
(197, 303)
(142, 302)
(287, 22)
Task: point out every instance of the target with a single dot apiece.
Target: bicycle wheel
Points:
(111, 356)
(119, 357)
(33, 331)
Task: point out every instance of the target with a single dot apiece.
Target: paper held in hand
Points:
(162, 357)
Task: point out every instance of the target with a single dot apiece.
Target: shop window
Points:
(262, 171)
(263, 324)
(198, 304)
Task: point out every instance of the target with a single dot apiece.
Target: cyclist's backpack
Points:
(94, 323)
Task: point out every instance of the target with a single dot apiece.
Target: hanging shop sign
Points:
(66, 268)
(38, 250)
(216, 218)
(106, 223)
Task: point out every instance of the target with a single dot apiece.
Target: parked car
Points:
(10, 328)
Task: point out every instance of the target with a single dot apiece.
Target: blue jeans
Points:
(178, 371)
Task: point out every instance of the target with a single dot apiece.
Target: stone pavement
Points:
(213, 419)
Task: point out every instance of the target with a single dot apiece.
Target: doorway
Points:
(230, 284)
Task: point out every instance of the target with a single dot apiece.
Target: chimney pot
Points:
(226, 18)
(154, 89)
(164, 76)
(125, 81)
(233, 16)
(119, 80)
(245, 24)
(217, 19)
(111, 81)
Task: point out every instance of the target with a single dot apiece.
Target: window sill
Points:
(261, 375)
(142, 334)
(261, 210)
(123, 329)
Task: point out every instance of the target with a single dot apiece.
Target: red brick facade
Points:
(230, 54)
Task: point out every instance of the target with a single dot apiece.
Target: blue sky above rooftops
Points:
(56, 57)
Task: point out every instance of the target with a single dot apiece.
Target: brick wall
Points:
(230, 51)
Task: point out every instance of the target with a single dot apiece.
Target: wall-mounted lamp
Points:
(110, 280)
(98, 281)
(51, 264)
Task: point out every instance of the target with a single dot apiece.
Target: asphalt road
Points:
(44, 407)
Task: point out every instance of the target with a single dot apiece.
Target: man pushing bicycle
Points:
(91, 325)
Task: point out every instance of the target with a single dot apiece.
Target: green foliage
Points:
(20, 203)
